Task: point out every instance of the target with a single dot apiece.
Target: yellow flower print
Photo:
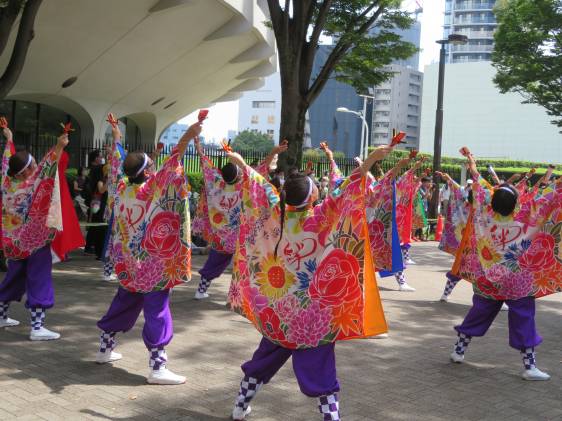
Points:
(488, 254)
(273, 280)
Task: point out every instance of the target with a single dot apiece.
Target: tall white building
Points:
(260, 110)
(397, 105)
(491, 124)
(476, 20)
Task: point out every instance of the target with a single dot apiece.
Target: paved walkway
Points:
(406, 377)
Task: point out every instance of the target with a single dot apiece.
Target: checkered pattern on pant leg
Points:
(249, 386)
(462, 342)
(204, 285)
(329, 407)
(107, 342)
(529, 360)
(400, 278)
(158, 358)
(37, 317)
(449, 286)
(107, 268)
(405, 255)
(4, 310)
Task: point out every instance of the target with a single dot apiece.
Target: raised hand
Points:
(329, 154)
(282, 147)
(5, 130)
(115, 131)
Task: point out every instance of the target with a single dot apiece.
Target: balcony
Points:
(476, 34)
(474, 5)
(474, 21)
(472, 48)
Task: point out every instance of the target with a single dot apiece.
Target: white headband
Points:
(143, 166)
(310, 188)
(507, 189)
(29, 158)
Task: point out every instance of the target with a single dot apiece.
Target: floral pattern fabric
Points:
(31, 211)
(320, 287)
(151, 239)
(218, 213)
(381, 221)
(515, 256)
(405, 188)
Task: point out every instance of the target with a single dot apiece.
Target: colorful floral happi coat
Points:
(218, 213)
(382, 224)
(321, 285)
(508, 258)
(405, 188)
(419, 218)
(31, 209)
(151, 239)
(458, 214)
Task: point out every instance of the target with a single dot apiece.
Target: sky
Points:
(224, 116)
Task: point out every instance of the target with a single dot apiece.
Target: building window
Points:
(263, 104)
(270, 119)
(255, 119)
(254, 130)
(270, 133)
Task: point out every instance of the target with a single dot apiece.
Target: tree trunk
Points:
(21, 46)
(293, 119)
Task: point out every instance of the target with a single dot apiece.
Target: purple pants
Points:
(521, 320)
(31, 276)
(215, 265)
(126, 307)
(315, 368)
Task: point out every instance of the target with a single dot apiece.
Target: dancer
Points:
(305, 278)
(151, 251)
(218, 213)
(508, 253)
(405, 191)
(31, 215)
(70, 238)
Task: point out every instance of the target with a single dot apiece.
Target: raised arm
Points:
(282, 147)
(191, 133)
(471, 162)
(378, 154)
(62, 141)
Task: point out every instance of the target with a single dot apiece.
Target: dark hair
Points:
(21, 148)
(470, 197)
(131, 166)
(17, 162)
(92, 156)
(425, 179)
(294, 192)
(276, 181)
(229, 173)
(504, 199)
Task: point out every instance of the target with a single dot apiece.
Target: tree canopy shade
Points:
(358, 55)
(250, 141)
(528, 52)
(9, 11)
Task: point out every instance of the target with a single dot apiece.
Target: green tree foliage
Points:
(356, 58)
(528, 52)
(250, 141)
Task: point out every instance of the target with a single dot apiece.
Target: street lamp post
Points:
(437, 140)
(364, 129)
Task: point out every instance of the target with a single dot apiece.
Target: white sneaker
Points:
(109, 278)
(238, 414)
(8, 322)
(504, 307)
(380, 336)
(164, 376)
(457, 358)
(535, 374)
(410, 262)
(444, 298)
(201, 295)
(43, 335)
(108, 357)
(406, 288)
